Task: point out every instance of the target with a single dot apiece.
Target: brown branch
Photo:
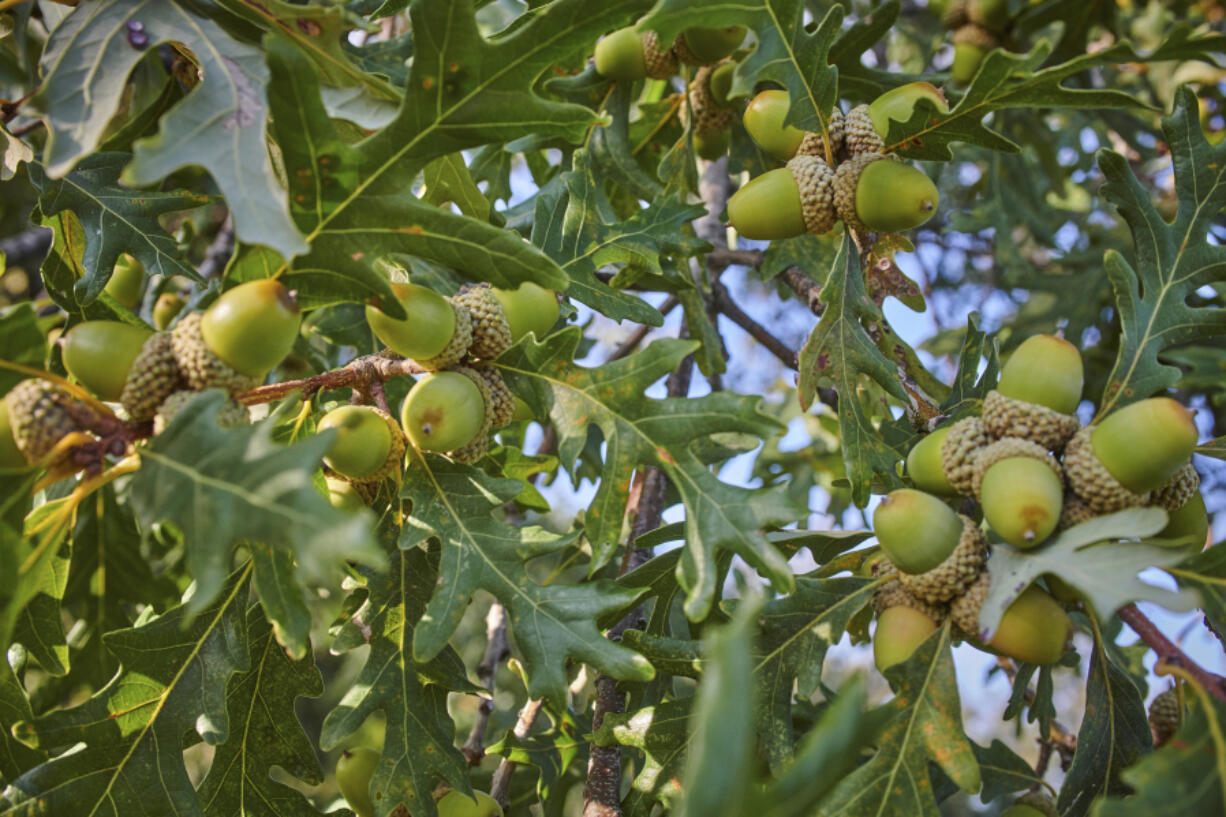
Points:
(1170, 653)
(360, 373)
(500, 784)
(808, 290)
(636, 337)
(725, 304)
(218, 253)
(724, 257)
(496, 649)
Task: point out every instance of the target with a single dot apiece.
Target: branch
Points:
(218, 254)
(496, 649)
(808, 290)
(500, 783)
(359, 374)
(725, 304)
(633, 340)
(1169, 653)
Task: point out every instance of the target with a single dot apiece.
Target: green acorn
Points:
(491, 332)
(126, 281)
(764, 118)
(971, 45)
(900, 630)
(627, 55)
(1021, 489)
(925, 466)
(1190, 521)
(872, 193)
(938, 552)
(354, 772)
(992, 15)
(530, 308)
(344, 495)
(707, 46)
(445, 411)
(1036, 803)
(369, 446)
(253, 326)
(1033, 629)
(711, 119)
(1038, 393)
(10, 454)
(40, 414)
(899, 103)
(428, 328)
(99, 354)
(1165, 715)
(153, 376)
(166, 309)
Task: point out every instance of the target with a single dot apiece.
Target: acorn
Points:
(430, 325)
(126, 281)
(711, 118)
(1165, 715)
(939, 553)
(166, 308)
(354, 772)
(232, 413)
(153, 376)
(900, 630)
(1037, 396)
(252, 326)
(1133, 451)
(891, 593)
(925, 466)
(707, 46)
(368, 447)
(1033, 629)
(764, 118)
(990, 14)
(344, 495)
(491, 333)
(628, 55)
(40, 414)
(959, 450)
(971, 45)
(445, 411)
(860, 134)
(1190, 521)
(872, 193)
(899, 103)
(530, 308)
(99, 354)
(953, 13)
(10, 455)
(1021, 489)
(501, 401)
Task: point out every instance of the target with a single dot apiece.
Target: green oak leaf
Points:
(454, 504)
(1213, 448)
(1002, 771)
(418, 751)
(661, 733)
(130, 733)
(266, 733)
(1101, 558)
(1172, 260)
(839, 351)
(552, 751)
(225, 487)
(925, 725)
(1205, 573)
(642, 431)
(15, 757)
(220, 125)
(113, 220)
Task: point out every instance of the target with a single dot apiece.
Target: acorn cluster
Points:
(627, 54)
(978, 25)
(841, 173)
(1033, 470)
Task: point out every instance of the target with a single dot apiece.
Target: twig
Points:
(220, 248)
(1169, 653)
(27, 128)
(500, 784)
(496, 649)
(724, 257)
(636, 337)
(359, 373)
(725, 304)
(808, 290)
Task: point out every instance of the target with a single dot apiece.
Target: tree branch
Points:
(633, 340)
(805, 288)
(725, 304)
(1170, 653)
(496, 649)
(360, 374)
(500, 784)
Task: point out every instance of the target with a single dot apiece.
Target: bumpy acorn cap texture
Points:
(40, 415)
(891, 594)
(154, 376)
(956, 14)
(1177, 490)
(964, 610)
(1074, 511)
(473, 451)
(815, 180)
(860, 134)
(1011, 447)
(707, 114)
(661, 63)
(200, 368)
(457, 347)
(1008, 417)
(846, 178)
(814, 145)
(231, 414)
(953, 576)
(1039, 800)
(1164, 716)
(502, 402)
(978, 36)
(958, 452)
(395, 453)
(1091, 480)
(490, 330)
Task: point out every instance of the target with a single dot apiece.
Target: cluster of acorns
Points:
(232, 345)
(978, 26)
(452, 409)
(1033, 470)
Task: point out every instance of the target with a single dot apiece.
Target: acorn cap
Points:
(472, 453)
(815, 181)
(457, 347)
(958, 571)
(925, 466)
(1091, 480)
(152, 378)
(860, 135)
(892, 594)
(1074, 511)
(899, 103)
(916, 531)
(231, 414)
(1164, 716)
(768, 207)
(1008, 417)
(490, 331)
(200, 368)
(958, 452)
(660, 63)
(40, 415)
(619, 55)
(899, 631)
(1177, 490)
(812, 143)
(502, 403)
(1046, 370)
(1145, 443)
(873, 193)
(708, 116)
(964, 610)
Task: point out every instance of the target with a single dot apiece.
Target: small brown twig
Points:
(1169, 652)
(218, 253)
(808, 290)
(359, 373)
(500, 784)
(725, 304)
(633, 340)
(496, 649)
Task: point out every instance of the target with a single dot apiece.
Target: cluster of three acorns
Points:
(452, 409)
(1034, 470)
